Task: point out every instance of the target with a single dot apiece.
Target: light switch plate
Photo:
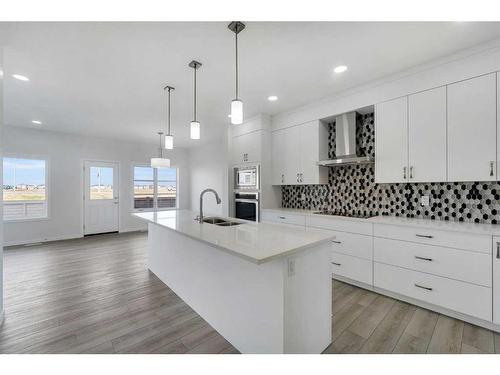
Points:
(424, 200)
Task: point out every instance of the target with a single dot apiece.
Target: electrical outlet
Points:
(291, 267)
(424, 200)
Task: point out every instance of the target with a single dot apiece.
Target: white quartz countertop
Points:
(455, 226)
(256, 242)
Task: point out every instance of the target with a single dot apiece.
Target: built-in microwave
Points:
(246, 178)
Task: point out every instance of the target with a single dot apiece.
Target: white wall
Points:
(209, 169)
(66, 153)
(476, 61)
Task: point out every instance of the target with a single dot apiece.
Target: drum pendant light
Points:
(160, 162)
(236, 105)
(195, 125)
(169, 138)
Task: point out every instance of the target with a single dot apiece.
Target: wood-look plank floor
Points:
(366, 322)
(96, 295)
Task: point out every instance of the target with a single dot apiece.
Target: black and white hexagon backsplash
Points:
(352, 189)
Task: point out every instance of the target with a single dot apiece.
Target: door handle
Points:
(424, 235)
(423, 287)
(404, 173)
(498, 250)
(423, 258)
(492, 164)
(336, 264)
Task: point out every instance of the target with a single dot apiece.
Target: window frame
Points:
(48, 190)
(155, 190)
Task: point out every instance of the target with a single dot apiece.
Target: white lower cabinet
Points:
(465, 298)
(352, 268)
(455, 264)
(496, 280)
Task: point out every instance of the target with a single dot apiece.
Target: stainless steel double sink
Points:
(220, 222)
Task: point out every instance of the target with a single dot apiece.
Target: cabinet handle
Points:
(301, 177)
(282, 178)
(498, 250)
(492, 164)
(423, 258)
(336, 264)
(339, 242)
(423, 287)
(282, 217)
(424, 235)
(411, 172)
(404, 173)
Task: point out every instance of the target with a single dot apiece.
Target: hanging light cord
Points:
(161, 148)
(195, 68)
(168, 113)
(236, 39)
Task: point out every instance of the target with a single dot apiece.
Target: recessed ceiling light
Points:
(20, 77)
(272, 98)
(36, 122)
(340, 69)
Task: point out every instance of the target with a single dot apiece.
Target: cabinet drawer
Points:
(469, 299)
(353, 268)
(343, 225)
(442, 261)
(352, 244)
(465, 241)
(281, 217)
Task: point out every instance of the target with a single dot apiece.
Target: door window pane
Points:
(167, 188)
(143, 187)
(101, 183)
(24, 188)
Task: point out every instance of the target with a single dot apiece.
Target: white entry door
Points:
(101, 197)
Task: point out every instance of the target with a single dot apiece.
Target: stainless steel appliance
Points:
(345, 143)
(247, 178)
(246, 205)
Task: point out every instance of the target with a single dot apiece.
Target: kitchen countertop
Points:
(256, 242)
(454, 226)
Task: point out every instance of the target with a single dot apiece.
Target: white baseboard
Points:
(47, 239)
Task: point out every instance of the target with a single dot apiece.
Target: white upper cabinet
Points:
(391, 141)
(472, 129)
(313, 148)
(427, 136)
(278, 157)
(296, 152)
(291, 155)
(247, 148)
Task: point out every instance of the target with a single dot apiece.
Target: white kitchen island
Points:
(265, 287)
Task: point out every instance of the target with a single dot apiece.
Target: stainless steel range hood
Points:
(345, 143)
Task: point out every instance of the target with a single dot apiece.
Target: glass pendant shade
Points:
(195, 130)
(236, 112)
(160, 163)
(169, 142)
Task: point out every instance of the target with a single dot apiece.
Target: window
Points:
(155, 188)
(101, 183)
(24, 188)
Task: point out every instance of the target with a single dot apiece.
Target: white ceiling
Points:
(106, 79)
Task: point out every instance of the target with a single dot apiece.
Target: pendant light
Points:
(160, 162)
(169, 138)
(195, 125)
(236, 105)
